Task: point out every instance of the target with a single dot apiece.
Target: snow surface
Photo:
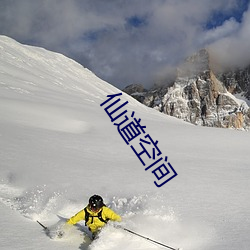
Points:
(58, 147)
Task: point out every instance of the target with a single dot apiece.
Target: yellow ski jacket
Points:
(94, 223)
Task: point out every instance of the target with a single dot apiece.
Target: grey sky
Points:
(131, 41)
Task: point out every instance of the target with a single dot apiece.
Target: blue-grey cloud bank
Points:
(131, 41)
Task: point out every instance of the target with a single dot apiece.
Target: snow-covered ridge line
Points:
(63, 72)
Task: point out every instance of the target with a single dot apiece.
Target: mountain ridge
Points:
(201, 95)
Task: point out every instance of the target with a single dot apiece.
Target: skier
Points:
(95, 214)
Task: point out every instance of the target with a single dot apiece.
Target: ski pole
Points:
(149, 239)
(45, 228)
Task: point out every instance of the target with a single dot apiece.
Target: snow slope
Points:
(58, 147)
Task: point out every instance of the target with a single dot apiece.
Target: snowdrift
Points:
(58, 147)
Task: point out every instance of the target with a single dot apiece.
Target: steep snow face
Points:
(58, 147)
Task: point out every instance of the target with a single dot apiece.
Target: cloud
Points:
(233, 49)
(228, 28)
(125, 42)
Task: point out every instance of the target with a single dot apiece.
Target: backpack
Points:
(88, 216)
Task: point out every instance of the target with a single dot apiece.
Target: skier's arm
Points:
(110, 214)
(77, 217)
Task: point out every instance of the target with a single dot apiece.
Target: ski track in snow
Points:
(43, 117)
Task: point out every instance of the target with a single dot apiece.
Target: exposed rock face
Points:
(136, 90)
(199, 97)
(237, 81)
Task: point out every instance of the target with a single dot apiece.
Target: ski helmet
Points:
(95, 202)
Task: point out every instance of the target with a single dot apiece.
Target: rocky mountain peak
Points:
(196, 64)
(200, 96)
